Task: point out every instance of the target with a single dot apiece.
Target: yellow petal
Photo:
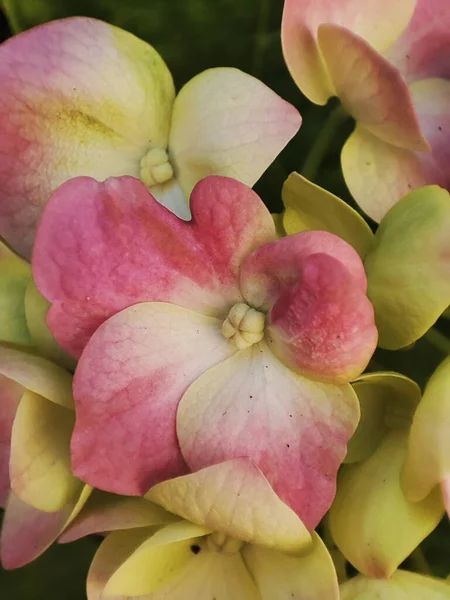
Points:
(36, 308)
(234, 498)
(113, 552)
(403, 585)
(428, 459)
(307, 576)
(15, 274)
(158, 561)
(40, 454)
(308, 206)
(38, 375)
(371, 521)
(386, 400)
(226, 122)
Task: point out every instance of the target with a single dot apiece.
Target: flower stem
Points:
(322, 143)
(438, 340)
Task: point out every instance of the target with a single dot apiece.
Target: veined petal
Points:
(308, 206)
(386, 400)
(235, 499)
(301, 19)
(428, 459)
(274, 267)
(402, 585)
(423, 50)
(102, 247)
(371, 521)
(294, 429)
(10, 394)
(37, 375)
(40, 454)
(28, 532)
(323, 326)
(127, 387)
(15, 274)
(226, 122)
(63, 113)
(370, 88)
(378, 174)
(407, 269)
(308, 576)
(108, 512)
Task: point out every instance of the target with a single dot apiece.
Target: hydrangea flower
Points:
(183, 560)
(406, 261)
(38, 490)
(82, 97)
(204, 341)
(388, 64)
(372, 520)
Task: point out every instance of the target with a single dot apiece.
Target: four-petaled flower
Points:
(204, 341)
(82, 97)
(388, 63)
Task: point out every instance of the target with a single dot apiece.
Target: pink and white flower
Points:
(82, 97)
(206, 342)
(388, 62)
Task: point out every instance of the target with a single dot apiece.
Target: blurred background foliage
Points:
(193, 35)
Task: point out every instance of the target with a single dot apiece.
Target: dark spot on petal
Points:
(251, 396)
(287, 446)
(195, 548)
(440, 128)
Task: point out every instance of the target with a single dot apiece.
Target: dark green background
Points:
(193, 35)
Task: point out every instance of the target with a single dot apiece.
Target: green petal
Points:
(371, 521)
(15, 273)
(403, 585)
(386, 400)
(407, 269)
(36, 308)
(308, 206)
(428, 459)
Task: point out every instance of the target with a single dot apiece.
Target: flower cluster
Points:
(192, 378)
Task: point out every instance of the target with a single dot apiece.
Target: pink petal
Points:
(274, 267)
(102, 247)
(127, 387)
(378, 174)
(295, 430)
(370, 88)
(379, 22)
(27, 532)
(10, 394)
(324, 325)
(63, 113)
(423, 50)
(108, 512)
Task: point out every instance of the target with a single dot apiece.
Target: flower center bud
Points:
(219, 542)
(244, 326)
(155, 167)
